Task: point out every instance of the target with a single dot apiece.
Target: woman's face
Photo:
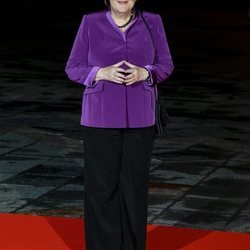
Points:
(122, 6)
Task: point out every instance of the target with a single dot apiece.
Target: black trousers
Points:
(116, 173)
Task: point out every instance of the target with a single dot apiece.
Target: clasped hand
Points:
(119, 75)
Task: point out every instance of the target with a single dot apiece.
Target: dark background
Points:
(27, 13)
(202, 166)
(26, 22)
(209, 43)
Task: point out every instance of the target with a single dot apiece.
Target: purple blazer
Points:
(100, 43)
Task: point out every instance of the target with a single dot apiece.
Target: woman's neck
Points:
(120, 17)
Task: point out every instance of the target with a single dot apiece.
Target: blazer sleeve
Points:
(77, 67)
(163, 64)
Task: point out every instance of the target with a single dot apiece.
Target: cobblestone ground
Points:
(200, 172)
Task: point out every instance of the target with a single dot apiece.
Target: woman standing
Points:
(119, 60)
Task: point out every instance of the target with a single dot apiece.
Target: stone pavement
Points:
(200, 173)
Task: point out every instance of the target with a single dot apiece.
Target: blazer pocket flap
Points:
(97, 88)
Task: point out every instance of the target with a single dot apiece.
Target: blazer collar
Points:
(114, 25)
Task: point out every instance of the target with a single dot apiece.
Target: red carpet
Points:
(29, 232)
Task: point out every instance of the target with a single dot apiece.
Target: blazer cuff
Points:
(90, 80)
(149, 68)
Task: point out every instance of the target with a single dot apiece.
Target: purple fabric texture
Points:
(149, 69)
(100, 43)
